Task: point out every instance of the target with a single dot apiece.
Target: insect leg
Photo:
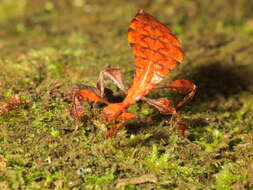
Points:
(87, 95)
(183, 87)
(166, 107)
(125, 116)
(111, 75)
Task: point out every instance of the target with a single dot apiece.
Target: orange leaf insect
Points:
(157, 52)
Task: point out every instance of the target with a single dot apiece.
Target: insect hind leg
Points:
(183, 87)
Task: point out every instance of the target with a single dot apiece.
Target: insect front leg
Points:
(183, 87)
(87, 95)
(111, 75)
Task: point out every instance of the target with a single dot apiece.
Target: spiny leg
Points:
(125, 116)
(86, 94)
(183, 87)
(111, 75)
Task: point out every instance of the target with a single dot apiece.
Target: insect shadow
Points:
(217, 82)
(217, 79)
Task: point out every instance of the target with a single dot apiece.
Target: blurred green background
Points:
(47, 48)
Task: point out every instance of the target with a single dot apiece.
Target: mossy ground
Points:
(48, 47)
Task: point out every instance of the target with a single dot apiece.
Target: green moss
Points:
(10, 8)
(49, 47)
